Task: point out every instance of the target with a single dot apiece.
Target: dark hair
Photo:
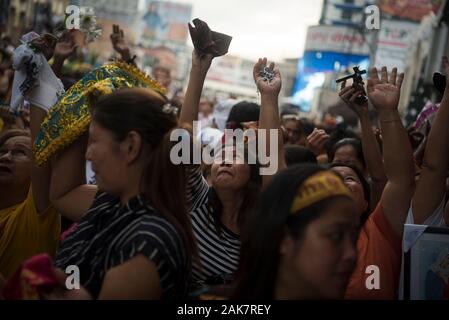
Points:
(365, 186)
(140, 110)
(250, 197)
(243, 111)
(338, 134)
(265, 229)
(290, 109)
(298, 154)
(355, 143)
(307, 126)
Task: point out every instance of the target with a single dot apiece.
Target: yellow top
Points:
(24, 233)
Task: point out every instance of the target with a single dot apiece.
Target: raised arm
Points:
(384, 94)
(269, 114)
(435, 163)
(69, 192)
(200, 66)
(65, 47)
(316, 143)
(371, 149)
(40, 176)
(119, 44)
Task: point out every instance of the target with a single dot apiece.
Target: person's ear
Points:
(287, 245)
(132, 146)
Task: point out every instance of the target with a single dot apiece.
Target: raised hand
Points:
(271, 86)
(201, 62)
(45, 44)
(316, 141)
(384, 93)
(118, 42)
(349, 96)
(66, 46)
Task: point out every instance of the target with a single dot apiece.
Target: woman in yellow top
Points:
(29, 225)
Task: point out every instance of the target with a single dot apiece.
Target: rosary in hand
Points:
(267, 75)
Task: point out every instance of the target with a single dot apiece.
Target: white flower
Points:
(88, 24)
(92, 35)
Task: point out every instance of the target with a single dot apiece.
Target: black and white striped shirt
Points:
(110, 234)
(219, 252)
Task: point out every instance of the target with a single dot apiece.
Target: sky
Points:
(275, 29)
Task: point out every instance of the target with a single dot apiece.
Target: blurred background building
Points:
(413, 35)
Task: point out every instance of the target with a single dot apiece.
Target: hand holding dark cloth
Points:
(207, 41)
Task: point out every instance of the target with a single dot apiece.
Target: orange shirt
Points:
(377, 245)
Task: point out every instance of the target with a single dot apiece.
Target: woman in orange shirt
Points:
(376, 275)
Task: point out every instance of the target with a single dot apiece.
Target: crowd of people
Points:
(142, 227)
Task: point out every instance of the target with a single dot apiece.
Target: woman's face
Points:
(229, 171)
(321, 263)
(15, 162)
(109, 162)
(346, 154)
(205, 108)
(352, 181)
(293, 131)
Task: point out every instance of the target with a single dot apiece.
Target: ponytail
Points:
(163, 185)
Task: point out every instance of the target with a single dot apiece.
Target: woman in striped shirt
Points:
(133, 240)
(218, 212)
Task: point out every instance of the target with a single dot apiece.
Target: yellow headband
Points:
(318, 187)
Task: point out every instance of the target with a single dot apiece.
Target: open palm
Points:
(384, 93)
(66, 46)
(119, 44)
(267, 87)
(118, 41)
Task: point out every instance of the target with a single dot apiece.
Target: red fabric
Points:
(33, 278)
